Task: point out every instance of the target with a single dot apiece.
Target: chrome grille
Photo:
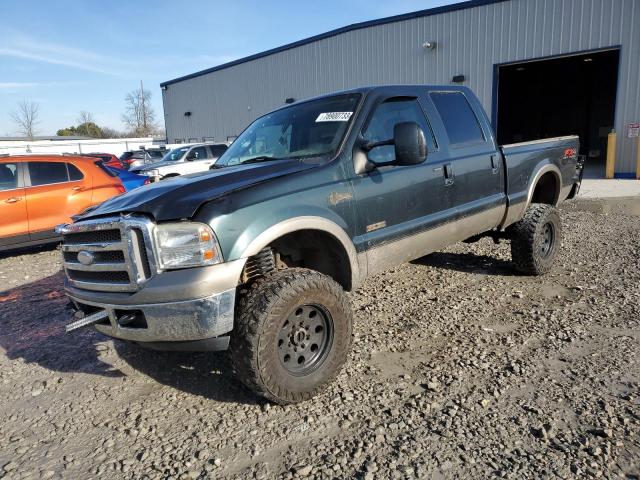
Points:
(97, 236)
(110, 254)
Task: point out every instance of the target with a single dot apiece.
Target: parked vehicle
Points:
(138, 158)
(109, 159)
(194, 158)
(312, 199)
(38, 192)
(130, 180)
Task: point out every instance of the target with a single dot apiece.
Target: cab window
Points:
(74, 173)
(460, 122)
(197, 153)
(8, 176)
(45, 173)
(218, 150)
(384, 119)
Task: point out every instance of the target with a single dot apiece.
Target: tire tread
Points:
(523, 235)
(255, 310)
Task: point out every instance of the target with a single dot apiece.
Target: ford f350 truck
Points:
(256, 256)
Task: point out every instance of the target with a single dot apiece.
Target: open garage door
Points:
(569, 95)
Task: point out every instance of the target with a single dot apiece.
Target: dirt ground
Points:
(460, 369)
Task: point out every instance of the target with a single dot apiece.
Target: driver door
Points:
(14, 226)
(397, 203)
(198, 160)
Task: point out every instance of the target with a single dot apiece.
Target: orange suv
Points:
(38, 192)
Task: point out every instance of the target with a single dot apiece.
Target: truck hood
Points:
(180, 197)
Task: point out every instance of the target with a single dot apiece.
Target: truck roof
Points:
(384, 90)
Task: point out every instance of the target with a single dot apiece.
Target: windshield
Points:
(310, 129)
(175, 154)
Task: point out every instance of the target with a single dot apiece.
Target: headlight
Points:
(186, 244)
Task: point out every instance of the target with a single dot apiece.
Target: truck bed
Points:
(526, 162)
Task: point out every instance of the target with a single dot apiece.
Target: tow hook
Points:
(85, 321)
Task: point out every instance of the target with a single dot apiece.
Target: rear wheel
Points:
(293, 334)
(535, 240)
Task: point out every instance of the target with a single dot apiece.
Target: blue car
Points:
(130, 180)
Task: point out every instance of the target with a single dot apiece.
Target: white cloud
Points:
(56, 55)
(19, 45)
(16, 85)
(23, 85)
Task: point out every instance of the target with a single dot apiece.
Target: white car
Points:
(183, 160)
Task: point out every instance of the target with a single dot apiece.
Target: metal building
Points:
(540, 67)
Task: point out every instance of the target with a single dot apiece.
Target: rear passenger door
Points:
(217, 151)
(473, 171)
(13, 205)
(55, 191)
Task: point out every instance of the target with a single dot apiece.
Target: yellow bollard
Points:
(638, 159)
(611, 154)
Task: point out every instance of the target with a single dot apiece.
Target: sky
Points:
(72, 55)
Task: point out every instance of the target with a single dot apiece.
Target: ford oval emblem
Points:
(86, 258)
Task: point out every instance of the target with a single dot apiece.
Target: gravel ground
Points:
(460, 369)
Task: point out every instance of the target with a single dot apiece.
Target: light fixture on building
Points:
(458, 79)
(187, 114)
(429, 45)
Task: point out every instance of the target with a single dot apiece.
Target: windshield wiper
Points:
(261, 158)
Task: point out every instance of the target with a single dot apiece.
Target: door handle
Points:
(448, 174)
(494, 164)
(13, 200)
(77, 189)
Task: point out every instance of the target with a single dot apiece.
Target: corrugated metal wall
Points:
(470, 42)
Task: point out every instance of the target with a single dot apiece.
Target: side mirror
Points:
(410, 143)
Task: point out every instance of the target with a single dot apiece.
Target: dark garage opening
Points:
(572, 95)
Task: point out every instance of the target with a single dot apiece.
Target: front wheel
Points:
(535, 240)
(292, 335)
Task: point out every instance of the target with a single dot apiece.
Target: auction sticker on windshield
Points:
(334, 117)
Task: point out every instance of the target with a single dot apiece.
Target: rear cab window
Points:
(217, 150)
(459, 120)
(8, 176)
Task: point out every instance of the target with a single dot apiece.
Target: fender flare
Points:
(307, 223)
(516, 211)
(537, 175)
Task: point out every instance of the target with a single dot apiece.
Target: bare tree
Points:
(139, 115)
(108, 132)
(26, 118)
(85, 117)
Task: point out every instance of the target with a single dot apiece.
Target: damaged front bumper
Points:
(168, 326)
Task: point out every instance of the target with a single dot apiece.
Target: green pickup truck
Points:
(255, 255)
